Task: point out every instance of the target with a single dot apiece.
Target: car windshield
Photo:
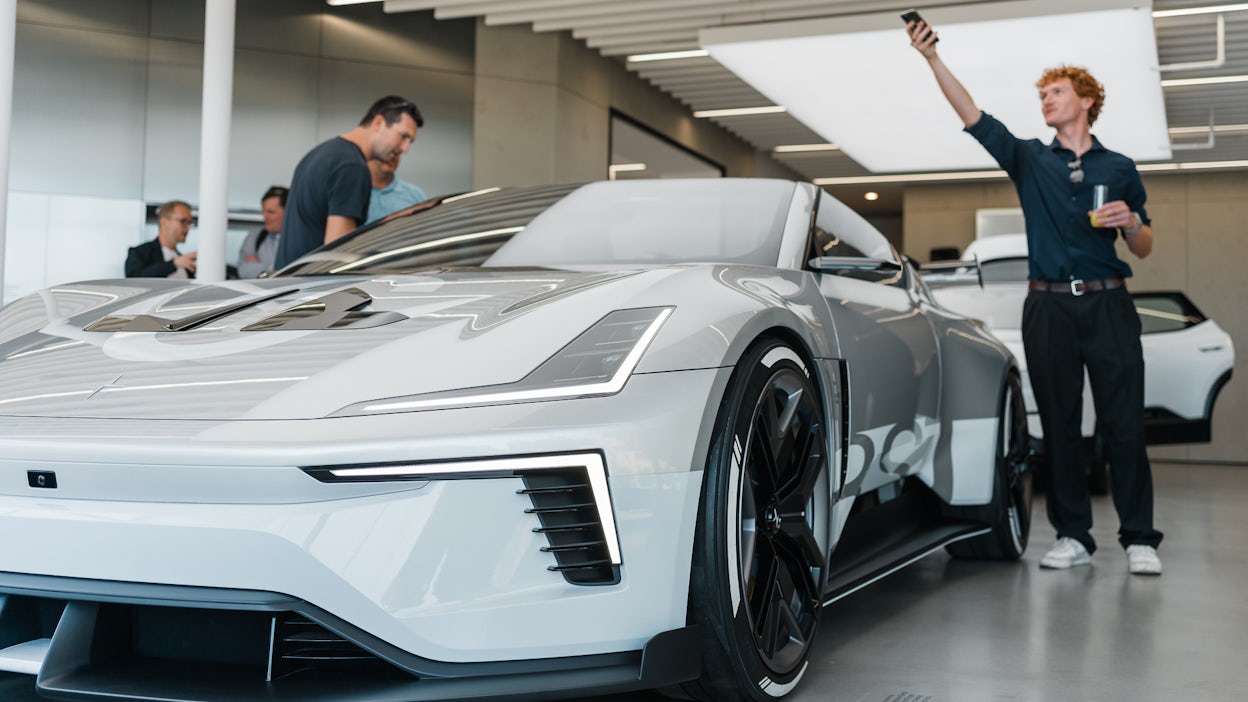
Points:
(657, 221)
(634, 222)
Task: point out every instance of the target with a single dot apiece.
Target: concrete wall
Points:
(1201, 225)
(543, 104)
(107, 93)
(107, 109)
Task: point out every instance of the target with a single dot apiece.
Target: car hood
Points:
(286, 348)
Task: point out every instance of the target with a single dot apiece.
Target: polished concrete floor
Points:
(951, 631)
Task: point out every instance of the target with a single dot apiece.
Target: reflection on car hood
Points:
(283, 348)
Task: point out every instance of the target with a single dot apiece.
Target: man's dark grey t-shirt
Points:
(332, 179)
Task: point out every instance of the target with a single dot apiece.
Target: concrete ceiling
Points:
(619, 28)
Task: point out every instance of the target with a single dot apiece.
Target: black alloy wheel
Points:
(1009, 513)
(760, 553)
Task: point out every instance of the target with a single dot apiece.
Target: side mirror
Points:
(870, 269)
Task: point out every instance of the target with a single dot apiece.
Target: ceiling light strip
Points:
(910, 178)
(1239, 7)
(1192, 165)
(668, 56)
(804, 148)
(1211, 80)
(1220, 128)
(740, 111)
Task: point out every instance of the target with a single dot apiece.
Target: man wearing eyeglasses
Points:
(330, 188)
(1078, 312)
(159, 258)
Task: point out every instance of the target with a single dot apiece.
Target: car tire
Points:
(760, 550)
(1009, 513)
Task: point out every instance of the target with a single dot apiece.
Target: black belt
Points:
(1077, 287)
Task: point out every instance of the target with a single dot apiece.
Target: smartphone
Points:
(913, 16)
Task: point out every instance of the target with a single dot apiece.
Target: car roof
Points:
(997, 246)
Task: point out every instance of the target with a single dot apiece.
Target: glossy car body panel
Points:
(186, 423)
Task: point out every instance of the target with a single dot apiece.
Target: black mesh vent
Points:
(564, 503)
(301, 644)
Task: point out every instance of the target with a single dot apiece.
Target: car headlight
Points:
(596, 363)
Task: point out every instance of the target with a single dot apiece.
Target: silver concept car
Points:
(525, 442)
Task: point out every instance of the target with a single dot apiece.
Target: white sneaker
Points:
(1143, 560)
(1065, 553)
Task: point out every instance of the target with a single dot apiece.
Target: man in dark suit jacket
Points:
(159, 258)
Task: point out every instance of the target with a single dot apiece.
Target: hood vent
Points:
(340, 310)
(151, 323)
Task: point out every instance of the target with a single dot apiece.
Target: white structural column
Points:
(8, 31)
(214, 136)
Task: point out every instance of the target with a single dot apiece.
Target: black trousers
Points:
(1062, 335)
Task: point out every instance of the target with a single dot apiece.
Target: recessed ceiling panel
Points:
(857, 82)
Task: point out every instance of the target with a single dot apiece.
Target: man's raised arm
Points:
(923, 39)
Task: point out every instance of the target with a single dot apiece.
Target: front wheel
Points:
(760, 552)
(1009, 513)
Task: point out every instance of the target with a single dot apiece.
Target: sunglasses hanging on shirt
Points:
(1076, 170)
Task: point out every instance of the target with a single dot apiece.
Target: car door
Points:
(1187, 360)
(888, 346)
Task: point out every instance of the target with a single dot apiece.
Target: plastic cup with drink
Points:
(1100, 194)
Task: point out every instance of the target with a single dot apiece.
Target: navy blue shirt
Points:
(1062, 243)
(332, 179)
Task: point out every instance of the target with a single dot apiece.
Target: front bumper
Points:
(447, 571)
(132, 641)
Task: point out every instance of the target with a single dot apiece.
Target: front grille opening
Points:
(25, 619)
(166, 652)
(191, 635)
(564, 504)
(300, 644)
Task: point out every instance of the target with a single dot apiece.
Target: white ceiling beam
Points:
(704, 15)
(509, 8)
(392, 6)
(698, 18)
(661, 69)
(633, 40)
(595, 9)
(643, 31)
(695, 82)
(649, 47)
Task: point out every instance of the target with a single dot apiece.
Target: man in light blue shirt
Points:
(390, 193)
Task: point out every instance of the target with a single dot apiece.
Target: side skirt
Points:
(885, 537)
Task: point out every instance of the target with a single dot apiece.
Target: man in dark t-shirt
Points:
(330, 187)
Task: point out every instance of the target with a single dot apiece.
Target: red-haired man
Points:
(1078, 313)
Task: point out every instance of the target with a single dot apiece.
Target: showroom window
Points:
(640, 152)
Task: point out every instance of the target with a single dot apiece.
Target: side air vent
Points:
(568, 492)
(299, 644)
(563, 501)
